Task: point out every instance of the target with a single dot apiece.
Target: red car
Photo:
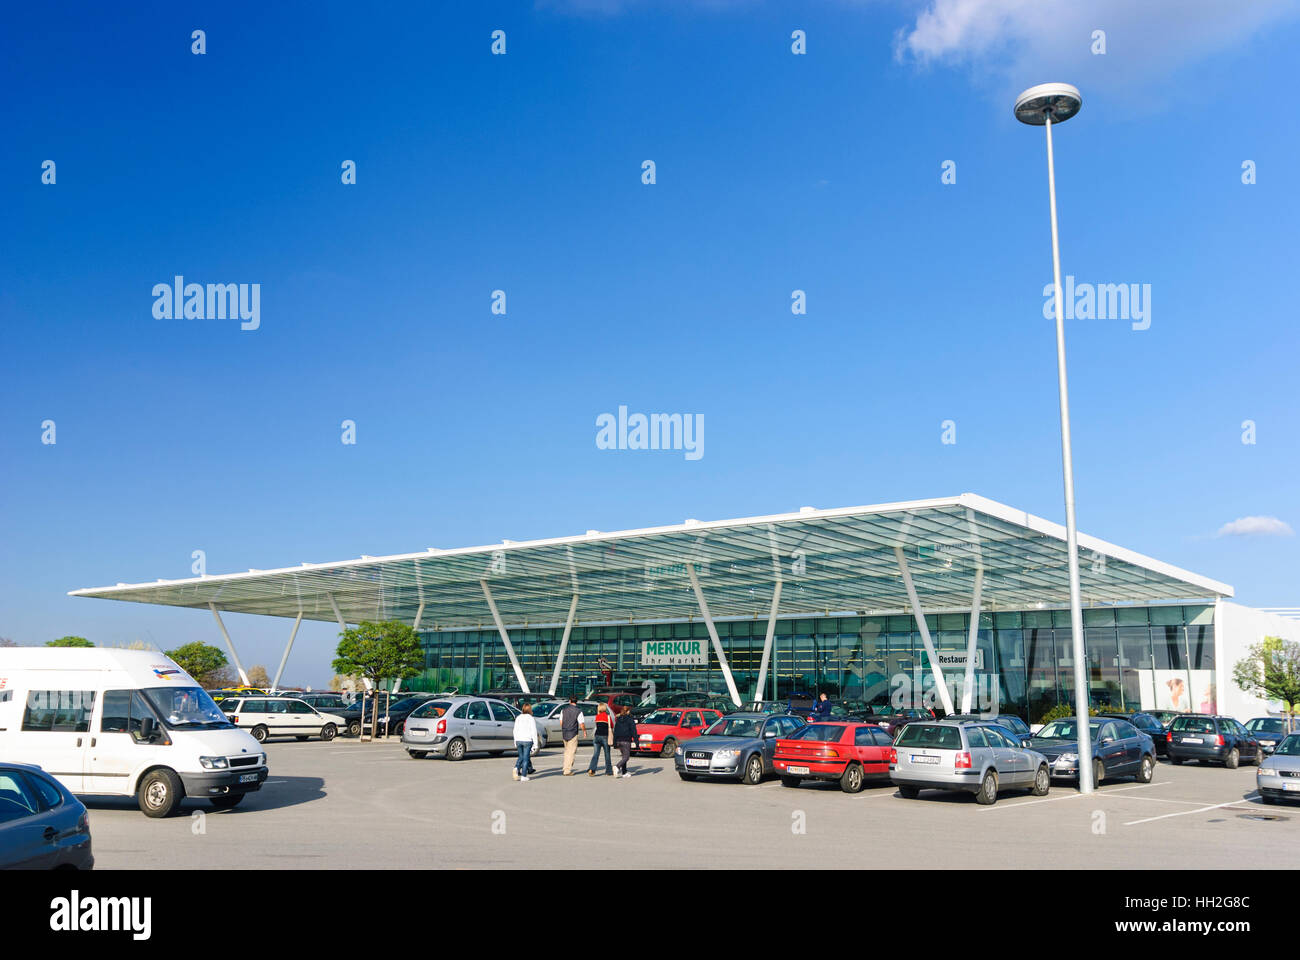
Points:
(663, 731)
(849, 752)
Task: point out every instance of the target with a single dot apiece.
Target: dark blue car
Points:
(42, 825)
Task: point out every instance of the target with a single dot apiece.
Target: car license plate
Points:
(1192, 740)
(798, 769)
(248, 778)
(696, 762)
(1292, 787)
(918, 758)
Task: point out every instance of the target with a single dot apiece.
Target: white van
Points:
(123, 723)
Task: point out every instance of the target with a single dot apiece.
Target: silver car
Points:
(452, 727)
(739, 746)
(1278, 776)
(547, 715)
(978, 758)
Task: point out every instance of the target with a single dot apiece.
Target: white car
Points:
(267, 716)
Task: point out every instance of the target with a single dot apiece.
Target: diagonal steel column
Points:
(972, 641)
(564, 645)
(713, 633)
(939, 680)
(767, 642)
(243, 677)
(505, 637)
(275, 684)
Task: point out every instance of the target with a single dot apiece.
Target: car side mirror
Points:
(1106, 740)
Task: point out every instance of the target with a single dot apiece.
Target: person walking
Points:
(526, 740)
(624, 734)
(602, 739)
(572, 722)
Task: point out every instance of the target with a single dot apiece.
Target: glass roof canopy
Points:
(827, 561)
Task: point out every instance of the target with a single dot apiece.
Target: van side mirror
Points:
(148, 729)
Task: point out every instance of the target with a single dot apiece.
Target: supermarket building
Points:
(960, 601)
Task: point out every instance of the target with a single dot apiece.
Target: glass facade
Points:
(1159, 657)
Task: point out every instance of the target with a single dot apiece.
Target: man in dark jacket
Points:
(822, 711)
(572, 722)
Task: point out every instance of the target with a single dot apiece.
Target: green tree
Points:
(388, 650)
(202, 661)
(1271, 671)
(70, 642)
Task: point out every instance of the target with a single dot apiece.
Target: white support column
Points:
(337, 615)
(713, 633)
(275, 684)
(767, 643)
(243, 677)
(564, 645)
(939, 680)
(419, 615)
(972, 641)
(505, 637)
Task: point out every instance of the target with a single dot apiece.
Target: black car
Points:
(42, 825)
(1148, 724)
(1119, 749)
(1211, 739)
(1011, 725)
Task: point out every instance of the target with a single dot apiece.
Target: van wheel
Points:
(456, 749)
(753, 771)
(160, 793)
(354, 728)
(1042, 782)
(1234, 757)
(790, 781)
(988, 792)
(228, 801)
(909, 793)
(418, 754)
(329, 732)
(260, 733)
(851, 782)
(670, 748)
(1146, 769)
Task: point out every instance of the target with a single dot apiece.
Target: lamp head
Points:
(1061, 100)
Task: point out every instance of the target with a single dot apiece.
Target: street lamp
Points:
(1042, 106)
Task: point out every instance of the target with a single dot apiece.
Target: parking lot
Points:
(349, 804)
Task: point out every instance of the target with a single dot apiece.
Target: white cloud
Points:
(1256, 527)
(1032, 41)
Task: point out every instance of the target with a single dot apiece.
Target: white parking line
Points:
(1183, 813)
(1073, 796)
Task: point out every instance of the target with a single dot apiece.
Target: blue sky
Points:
(522, 172)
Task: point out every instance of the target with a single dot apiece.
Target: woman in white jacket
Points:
(526, 740)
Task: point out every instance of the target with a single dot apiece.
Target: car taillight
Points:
(893, 755)
(1169, 737)
(1218, 741)
(829, 752)
(442, 726)
(235, 719)
(963, 761)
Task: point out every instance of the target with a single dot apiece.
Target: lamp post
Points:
(1042, 106)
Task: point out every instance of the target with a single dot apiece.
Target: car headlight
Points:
(645, 736)
(214, 763)
(726, 755)
(1067, 758)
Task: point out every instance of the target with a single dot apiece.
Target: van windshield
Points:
(185, 707)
